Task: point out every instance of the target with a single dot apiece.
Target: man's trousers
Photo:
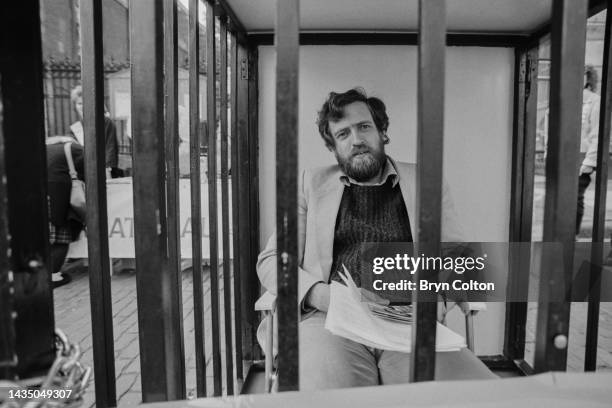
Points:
(328, 361)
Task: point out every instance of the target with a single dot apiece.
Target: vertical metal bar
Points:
(97, 225)
(235, 208)
(156, 307)
(432, 42)
(567, 70)
(601, 188)
(253, 209)
(225, 230)
(21, 72)
(174, 336)
(50, 93)
(196, 209)
(8, 355)
(287, 64)
(514, 311)
(47, 95)
(523, 165)
(67, 109)
(247, 289)
(57, 100)
(75, 26)
(529, 146)
(211, 94)
(62, 101)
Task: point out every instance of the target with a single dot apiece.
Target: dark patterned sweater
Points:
(367, 214)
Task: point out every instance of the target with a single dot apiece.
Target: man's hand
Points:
(586, 169)
(318, 296)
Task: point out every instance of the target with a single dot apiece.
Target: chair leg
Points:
(269, 352)
(469, 330)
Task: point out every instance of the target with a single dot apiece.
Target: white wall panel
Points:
(478, 131)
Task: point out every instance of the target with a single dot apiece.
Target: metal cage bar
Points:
(601, 189)
(253, 188)
(156, 307)
(175, 337)
(430, 142)
(225, 228)
(235, 172)
(98, 253)
(196, 198)
(8, 355)
(21, 72)
(211, 116)
(567, 70)
(287, 65)
(245, 132)
(521, 211)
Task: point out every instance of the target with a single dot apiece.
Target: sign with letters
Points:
(121, 221)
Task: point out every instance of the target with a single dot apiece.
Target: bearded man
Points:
(366, 197)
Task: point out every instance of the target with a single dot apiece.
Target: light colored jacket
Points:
(319, 199)
(590, 127)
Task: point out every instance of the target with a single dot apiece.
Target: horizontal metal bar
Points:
(233, 24)
(378, 38)
(595, 6)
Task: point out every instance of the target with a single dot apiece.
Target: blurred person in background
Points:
(110, 134)
(64, 224)
(588, 137)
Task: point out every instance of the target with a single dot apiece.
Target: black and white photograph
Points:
(305, 203)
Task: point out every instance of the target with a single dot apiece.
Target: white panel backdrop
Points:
(478, 132)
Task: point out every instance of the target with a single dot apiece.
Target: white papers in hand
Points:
(351, 318)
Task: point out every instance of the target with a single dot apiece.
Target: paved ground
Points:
(72, 314)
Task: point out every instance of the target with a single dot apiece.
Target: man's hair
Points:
(333, 110)
(591, 78)
(76, 93)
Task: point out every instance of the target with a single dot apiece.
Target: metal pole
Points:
(21, 72)
(213, 239)
(196, 198)
(154, 283)
(567, 71)
(225, 230)
(92, 74)
(287, 64)
(174, 336)
(430, 142)
(599, 216)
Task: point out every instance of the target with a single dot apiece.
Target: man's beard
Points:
(362, 167)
